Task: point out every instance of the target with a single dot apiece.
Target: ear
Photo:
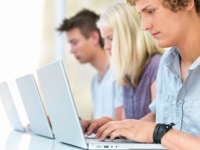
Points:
(95, 37)
(190, 6)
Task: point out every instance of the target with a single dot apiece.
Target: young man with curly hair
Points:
(176, 24)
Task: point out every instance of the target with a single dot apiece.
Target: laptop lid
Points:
(28, 90)
(63, 113)
(10, 109)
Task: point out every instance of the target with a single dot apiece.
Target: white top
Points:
(107, 95)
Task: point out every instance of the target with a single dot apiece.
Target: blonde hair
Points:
(131, 47)
(131, 2)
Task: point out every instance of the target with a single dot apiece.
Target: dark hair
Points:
(85, 20)
(174, 5)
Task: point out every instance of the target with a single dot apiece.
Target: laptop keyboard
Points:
(90, 139)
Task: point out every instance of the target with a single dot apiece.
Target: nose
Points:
(108, 45)
(72, 50)
(146, 24)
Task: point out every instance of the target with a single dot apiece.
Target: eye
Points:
(151, 11)
(74, 42)
(110, 38)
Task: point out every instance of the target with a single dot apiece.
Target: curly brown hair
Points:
(174, 5)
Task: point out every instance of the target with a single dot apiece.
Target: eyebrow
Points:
(144, 9)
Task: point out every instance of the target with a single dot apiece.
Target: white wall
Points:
(20, 36)
(28, 40)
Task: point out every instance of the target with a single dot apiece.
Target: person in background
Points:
(173, 24)
(135, 57)
(87, 46)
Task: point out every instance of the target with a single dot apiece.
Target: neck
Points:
(184, 70)
(189, 42)
(188, 55)
(101, 62)
(103, 72)
(187, 58)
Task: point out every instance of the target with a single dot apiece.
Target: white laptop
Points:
(31, 99)
(63, 113)
(10, 109)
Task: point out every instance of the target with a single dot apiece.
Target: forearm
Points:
(179, 140)
(149, 117)
(119, 113)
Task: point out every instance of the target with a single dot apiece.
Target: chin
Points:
(109, 53)
(83, 62)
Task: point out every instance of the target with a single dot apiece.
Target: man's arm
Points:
(149, 117)
(142, 131)
(119, 113)
(179, 140)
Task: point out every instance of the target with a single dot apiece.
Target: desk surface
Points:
(14, 140)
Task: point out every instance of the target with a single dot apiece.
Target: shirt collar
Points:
(172, 61)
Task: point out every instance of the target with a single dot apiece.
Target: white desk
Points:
(14, 140)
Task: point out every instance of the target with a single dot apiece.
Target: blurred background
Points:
(29, 40)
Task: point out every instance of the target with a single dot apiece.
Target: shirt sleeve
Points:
(152, 106)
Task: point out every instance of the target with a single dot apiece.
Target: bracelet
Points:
(160, 130)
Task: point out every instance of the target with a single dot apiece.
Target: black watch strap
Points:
(160, 130)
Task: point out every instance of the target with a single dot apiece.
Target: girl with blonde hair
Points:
(135, 56)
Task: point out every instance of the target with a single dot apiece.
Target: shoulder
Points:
(159, 60)
(155, 60)
(168, 55)
(94, 80)
(152, 67)
(110, 74)
(167, 58)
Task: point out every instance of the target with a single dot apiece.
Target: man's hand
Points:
(91, 126)
(135, 130)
